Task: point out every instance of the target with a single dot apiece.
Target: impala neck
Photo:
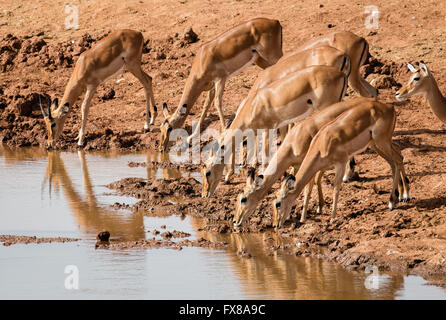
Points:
(283, 159)
(309, 167)
(72, 92)
(437, 101)
(191, 93)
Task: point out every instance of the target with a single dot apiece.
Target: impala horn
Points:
(41, 108)
(49, 110)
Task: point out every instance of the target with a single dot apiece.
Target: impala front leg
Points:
(150, 105)
(230, 168)
(219, 88)
(265, 148)
(210, 97)
(146, 81)
(84, 109)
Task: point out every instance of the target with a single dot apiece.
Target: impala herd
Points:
(301, 95)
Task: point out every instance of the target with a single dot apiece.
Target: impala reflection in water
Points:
(79, 206)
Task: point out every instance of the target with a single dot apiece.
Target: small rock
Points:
(190, 36)
(160, 56)
(103, 236)
(110, 94)
(390, 252)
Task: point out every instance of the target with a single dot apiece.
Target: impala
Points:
(122, 48)
(255, 42)
(356, 48)
(324, 55)
(291, 153)
(370, 124)
(287, 100)
(422, 82)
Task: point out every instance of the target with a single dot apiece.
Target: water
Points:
(63, 194)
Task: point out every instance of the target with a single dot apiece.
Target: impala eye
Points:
(208, 174)
(416, 79)
(278, 204)
(243, 200)
(53, 125)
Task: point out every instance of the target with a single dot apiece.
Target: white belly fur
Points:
(113, 69)
(296, 110)
(358, 144)
(236, 61)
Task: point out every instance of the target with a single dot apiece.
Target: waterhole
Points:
(63, 194)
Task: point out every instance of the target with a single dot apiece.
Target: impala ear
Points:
(65, 108)
(258, 181)
(424, 68)
(290, 181)
(165, 111)
(250, 177)
(55, 103)
(183, 110)
(41, 108)
(412, 68)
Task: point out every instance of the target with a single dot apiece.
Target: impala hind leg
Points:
(146, 81)
(318, 180)
(307, 197)
(355, 79)
(244, 153)
(84, 111)
(404, 180)
(209, 99)
(340, 170)
(386, 150)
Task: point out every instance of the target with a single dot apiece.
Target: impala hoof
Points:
(228, 177)
(353, 177)
(189, 141)
(333, 221)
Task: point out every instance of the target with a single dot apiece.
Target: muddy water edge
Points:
(166, 242)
